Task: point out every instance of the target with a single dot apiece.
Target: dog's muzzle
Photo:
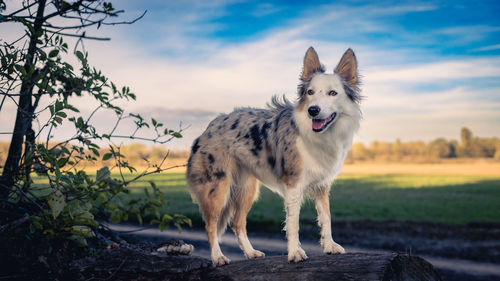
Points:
(319, 125)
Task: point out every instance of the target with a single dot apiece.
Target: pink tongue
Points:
(318, 123)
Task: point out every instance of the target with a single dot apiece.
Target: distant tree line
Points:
(139, 154)
(468, 147)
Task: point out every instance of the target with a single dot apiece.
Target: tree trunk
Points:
(358, 266)
(128, 264)
(25, 111)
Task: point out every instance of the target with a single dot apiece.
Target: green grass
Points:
(438, 198)
(452, 199)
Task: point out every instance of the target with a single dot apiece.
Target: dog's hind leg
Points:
(212, 206)
(325, 222)
(246, 192)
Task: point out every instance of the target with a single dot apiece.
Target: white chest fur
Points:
(323, 154)
(320, 164)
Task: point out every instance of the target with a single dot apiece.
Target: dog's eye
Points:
(310, 92)
(332, 93)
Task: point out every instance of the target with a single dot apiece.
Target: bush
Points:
(69, 209)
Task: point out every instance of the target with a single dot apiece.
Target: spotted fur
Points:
(277, 147)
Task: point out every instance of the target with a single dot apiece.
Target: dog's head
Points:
(325, 97)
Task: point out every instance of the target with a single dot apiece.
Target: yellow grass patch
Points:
(473, 167)
(480, 167)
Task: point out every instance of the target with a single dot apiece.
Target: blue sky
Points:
(428, 67)
(437, 28)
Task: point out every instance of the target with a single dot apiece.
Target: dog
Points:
(295, 149)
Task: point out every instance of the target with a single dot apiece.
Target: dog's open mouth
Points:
(319, 125)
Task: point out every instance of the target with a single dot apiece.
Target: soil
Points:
(473, 241)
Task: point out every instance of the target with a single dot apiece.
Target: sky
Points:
(428, 68)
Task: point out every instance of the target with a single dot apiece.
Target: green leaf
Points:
(176, 135)
(82, 230)
(103, 174)
(156, 202)
(72, 108)
(81, 241)
(62, 114)
(80, 122)
(80, 55)
(111, 206)
(106, 156)
(59, 105)
(167, 218)
(86, 218)
(56, 203)
(21, 69)
(116, 216)
(162, 226)
(61, 162)
(102, 197)
(53, 53)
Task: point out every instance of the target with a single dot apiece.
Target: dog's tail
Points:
(224, 218)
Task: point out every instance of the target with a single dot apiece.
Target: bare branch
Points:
(14, 224)
(24, 8)
(83, 36)
(94, 22)
(126, 22)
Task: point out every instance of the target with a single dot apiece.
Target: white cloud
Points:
(265, 9)
(488, 48)
(436, 71)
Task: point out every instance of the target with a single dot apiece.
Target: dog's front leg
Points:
(325, 223)
(293, 200)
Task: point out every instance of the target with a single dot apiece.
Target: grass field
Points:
(416, 192)
(453, 199)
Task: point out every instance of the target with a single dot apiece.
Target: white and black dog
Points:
(293, 149)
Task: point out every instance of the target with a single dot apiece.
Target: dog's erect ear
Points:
(348, 67)
(311, 64)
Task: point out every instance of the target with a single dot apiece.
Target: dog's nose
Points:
(314, 110)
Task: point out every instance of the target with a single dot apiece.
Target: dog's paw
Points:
(220, 261)
(254, 254)
(332, 248)
(297, 255)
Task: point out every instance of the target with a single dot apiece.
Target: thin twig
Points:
(15, 223)
(117, 269)
(120, 164)
(126, 22)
